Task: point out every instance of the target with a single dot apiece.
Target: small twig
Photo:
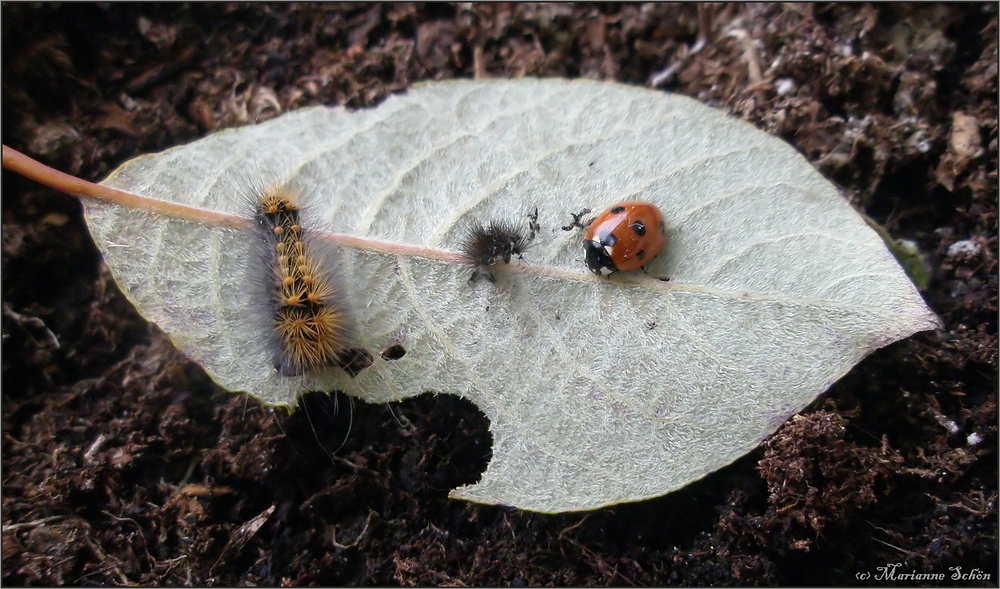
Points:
(16, 161)
(242, 536)
(902, 550)
(94, 448)
(357, 539)
(33, 524)
(562, 532)
(109, 562)
(478, 68)
(51, 342)
(666, 74)
(353, 466)
(756, 78)
(705, 15)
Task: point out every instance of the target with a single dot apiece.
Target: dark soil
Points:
(124, 464)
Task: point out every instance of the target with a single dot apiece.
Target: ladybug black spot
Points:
(641, 254)
(639, 228)
(616, 210)
(609, 240)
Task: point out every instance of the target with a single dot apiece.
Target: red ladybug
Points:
(624, 237)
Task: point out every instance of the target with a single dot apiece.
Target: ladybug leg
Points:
(576, 221)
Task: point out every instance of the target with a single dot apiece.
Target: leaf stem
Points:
(19, 163)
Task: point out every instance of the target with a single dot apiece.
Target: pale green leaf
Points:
(597, 391)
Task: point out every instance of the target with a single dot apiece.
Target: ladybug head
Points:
(598, 259)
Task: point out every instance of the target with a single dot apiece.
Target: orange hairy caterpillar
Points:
(306, 325)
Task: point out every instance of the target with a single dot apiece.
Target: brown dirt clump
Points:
(124, 464)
